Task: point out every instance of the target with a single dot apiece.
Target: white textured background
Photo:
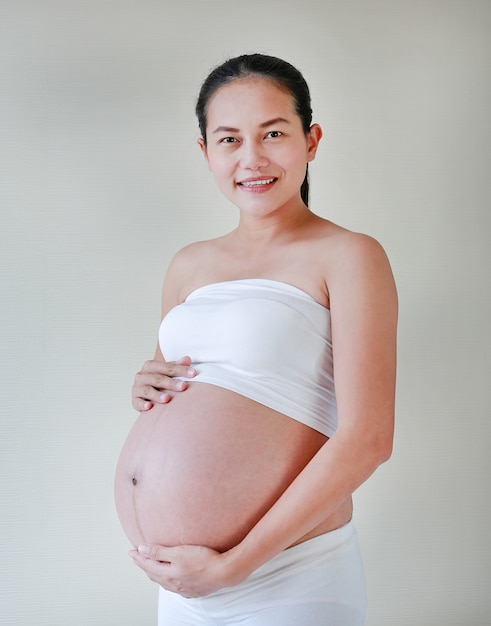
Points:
(101, 182)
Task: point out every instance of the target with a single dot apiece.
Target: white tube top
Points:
(264, 339)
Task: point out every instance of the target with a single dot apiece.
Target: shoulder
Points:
(195, 256)
(351, 249)
(360, 281)
(190, 254)
(342, 248)
(343, 251)
(355, 265)
(182, 271)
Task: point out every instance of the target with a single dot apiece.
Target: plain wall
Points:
(101, 182)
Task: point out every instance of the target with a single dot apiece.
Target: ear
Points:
(202, 145)
(313, 138)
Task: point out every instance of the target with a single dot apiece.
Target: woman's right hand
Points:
(156, 379)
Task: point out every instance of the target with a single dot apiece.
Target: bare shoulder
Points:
(191, 254)
(345, 249)
(183, 269)
(357, 264)
(341, 242)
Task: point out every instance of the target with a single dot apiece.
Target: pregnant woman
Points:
(234, 485)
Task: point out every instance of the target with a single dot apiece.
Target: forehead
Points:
(250, 100)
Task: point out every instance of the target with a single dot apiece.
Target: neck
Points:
(277, 226)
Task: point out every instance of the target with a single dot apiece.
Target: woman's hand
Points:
(191, 571)
(155, 380)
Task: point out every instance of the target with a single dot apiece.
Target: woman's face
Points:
(256, 147)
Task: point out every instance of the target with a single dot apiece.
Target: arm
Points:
(156, 379)
(363, 313)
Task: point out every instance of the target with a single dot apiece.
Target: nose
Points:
(252, 156)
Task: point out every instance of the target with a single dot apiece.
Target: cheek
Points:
(218, 166)
(294, 156)
(222, 174)
(296, 165)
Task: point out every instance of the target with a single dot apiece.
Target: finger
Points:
(174, 368)
(150, 567)
(155, 570)
(144, 396)
(184, 360)
(181, 367)
(162, 572)
(142, 405)
(158, 553)
(152, 365)
(167, 383)
(145, 381)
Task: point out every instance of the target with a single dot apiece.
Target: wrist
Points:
(235, 566)
(242, 560)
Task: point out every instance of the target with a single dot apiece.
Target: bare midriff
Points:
(204, 468)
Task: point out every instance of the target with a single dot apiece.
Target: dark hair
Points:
(279, 72)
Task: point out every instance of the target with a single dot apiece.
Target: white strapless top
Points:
(264, 339)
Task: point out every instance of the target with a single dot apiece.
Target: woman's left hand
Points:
(191, 571)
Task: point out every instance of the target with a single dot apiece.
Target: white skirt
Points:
(319, 582)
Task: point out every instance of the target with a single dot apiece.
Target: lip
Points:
(257, 184)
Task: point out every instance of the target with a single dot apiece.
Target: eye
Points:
(273, 134)
(228, 140)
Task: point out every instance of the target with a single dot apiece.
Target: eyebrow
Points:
(230, 129)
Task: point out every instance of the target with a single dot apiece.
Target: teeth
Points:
(257, 183)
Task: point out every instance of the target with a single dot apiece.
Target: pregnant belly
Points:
(204, 468)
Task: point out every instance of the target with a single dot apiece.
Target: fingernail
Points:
(144, 550)
(191, 371)
(164, 397)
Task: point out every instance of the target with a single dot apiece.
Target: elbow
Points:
(376, 453)
(385, 452)
(382, 446)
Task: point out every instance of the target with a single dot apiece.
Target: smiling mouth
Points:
(257, 183)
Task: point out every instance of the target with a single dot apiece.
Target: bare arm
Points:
(156, 381)
(363, 313)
